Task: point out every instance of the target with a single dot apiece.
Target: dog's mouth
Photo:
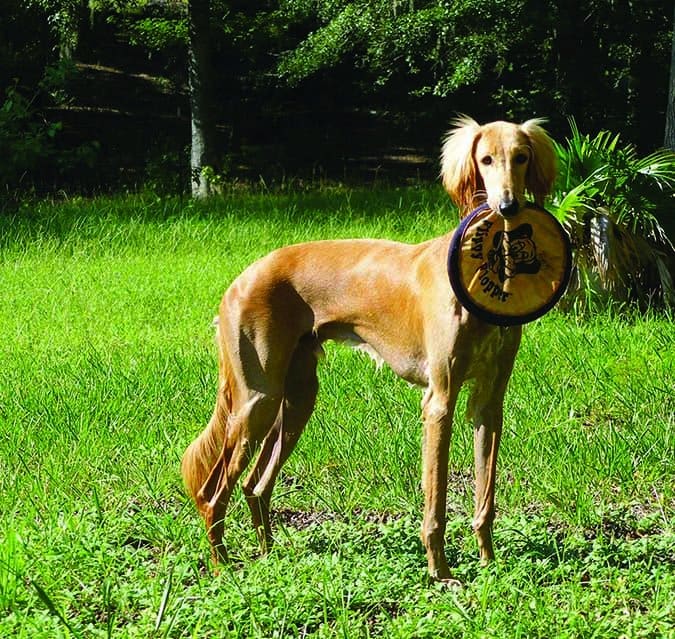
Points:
(508, 207)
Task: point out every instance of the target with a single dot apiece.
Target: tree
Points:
(669, 140)
(439, 46)
(294, 72)
(155, 26)
(66, 19)
(512, 58)
(200, 76)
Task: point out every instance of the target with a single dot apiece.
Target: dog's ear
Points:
(542, 169)
(459, 173)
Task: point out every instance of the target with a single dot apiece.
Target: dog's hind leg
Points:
(261, 323)
(257, 376)
(300, 392)
(246, 428)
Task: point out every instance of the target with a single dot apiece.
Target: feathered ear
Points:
(460, 177)
(542, 169)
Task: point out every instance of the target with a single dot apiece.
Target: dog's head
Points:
(499, 163)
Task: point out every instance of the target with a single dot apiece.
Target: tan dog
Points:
(393, 299)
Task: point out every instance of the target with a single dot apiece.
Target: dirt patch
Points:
(303, 519)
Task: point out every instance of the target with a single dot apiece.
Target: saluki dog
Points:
(395, 301)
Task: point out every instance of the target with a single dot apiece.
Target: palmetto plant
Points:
(608, 197)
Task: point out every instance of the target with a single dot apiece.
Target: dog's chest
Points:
(485, 352)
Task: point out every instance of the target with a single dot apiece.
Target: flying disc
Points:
(509, 271)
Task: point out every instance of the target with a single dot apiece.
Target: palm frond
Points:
(660, 167)
(609, 199)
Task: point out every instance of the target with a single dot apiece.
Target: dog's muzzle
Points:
(508, 208)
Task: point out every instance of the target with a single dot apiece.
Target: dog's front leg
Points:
(487, 432)
(486, 406)
(437, 411)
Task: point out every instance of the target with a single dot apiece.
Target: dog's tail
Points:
(201, 455)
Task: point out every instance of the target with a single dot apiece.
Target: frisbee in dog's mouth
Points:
(509, 271)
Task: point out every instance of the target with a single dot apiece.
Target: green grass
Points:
(107, 371)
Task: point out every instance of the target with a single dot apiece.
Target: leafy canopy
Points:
(441, 45)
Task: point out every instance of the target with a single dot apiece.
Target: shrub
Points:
(26, 138)
(610, 199)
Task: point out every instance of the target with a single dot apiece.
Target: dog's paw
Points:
(448, 583)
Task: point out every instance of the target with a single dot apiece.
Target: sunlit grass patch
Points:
(107, 371)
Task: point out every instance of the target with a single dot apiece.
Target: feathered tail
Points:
(202, 453)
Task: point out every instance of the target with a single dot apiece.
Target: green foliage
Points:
(157, 34)
(64, 18)
(440, 46)
(517, 58)
(152, 25)
(29, 139)
(155, 27)
(25, 138)
(57, 82)
(401, 67)
(610, 198)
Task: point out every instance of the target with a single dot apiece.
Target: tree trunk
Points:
(669, 140)
(200, 74)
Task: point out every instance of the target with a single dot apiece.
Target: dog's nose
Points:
(509, 207)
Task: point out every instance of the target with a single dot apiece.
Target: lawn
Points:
(108, 370)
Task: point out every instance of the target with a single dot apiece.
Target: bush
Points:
(25, 137)
(611, 200)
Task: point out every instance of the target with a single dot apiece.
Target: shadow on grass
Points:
(103, 218)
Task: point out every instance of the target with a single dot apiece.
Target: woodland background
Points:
(104, 95)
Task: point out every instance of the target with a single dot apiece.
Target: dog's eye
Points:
(521, 158)
(487, 160)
